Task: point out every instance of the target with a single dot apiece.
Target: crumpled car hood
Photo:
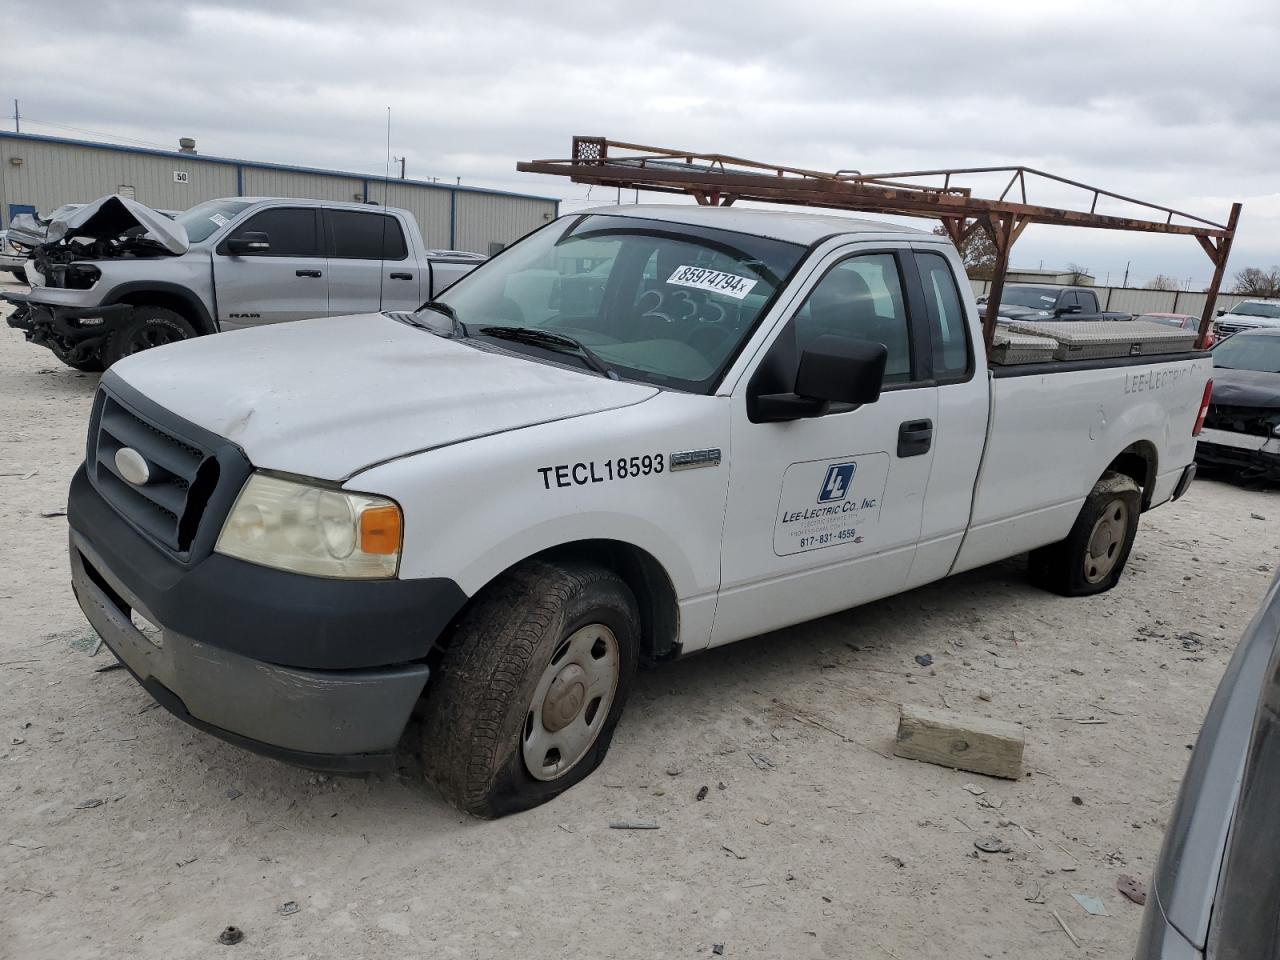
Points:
(109, 217)
(27, 230)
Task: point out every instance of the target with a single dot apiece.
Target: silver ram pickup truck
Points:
(115, 277)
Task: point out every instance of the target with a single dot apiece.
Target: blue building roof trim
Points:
(261, 165)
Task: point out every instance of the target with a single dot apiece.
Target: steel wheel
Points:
(1106, 541)
(571, 701)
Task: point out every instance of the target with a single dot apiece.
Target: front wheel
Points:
(148, 327)
(531, 687)
(1092, 557)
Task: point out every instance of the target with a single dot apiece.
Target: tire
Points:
(514, 670)
(1093, 555)
(20, 276)
(148, 327)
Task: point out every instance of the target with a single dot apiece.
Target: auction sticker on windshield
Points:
(713, 281)
(830, 503)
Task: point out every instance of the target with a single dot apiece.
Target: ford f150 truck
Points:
(116, 277)
(506, 500)
(1021, 301)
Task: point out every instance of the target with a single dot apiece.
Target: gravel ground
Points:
(812, 840)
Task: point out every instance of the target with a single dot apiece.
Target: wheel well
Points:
(655, 595)
(170, 301)
(1138, 462)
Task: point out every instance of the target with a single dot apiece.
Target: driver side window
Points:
(860, 297)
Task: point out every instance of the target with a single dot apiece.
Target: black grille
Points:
(168, 507)
(1251, 420)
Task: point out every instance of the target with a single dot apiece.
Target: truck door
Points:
(285, 281)
(824, 513)
(964, 405)
(369, 265)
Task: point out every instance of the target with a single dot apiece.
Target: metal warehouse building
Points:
(39, 173)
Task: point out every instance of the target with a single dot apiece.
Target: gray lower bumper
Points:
(335, 720)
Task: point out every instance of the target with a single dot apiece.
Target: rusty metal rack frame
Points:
(715, 179)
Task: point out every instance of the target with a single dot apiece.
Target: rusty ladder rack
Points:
(715, 179)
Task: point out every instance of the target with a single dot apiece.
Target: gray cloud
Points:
(1168, 101)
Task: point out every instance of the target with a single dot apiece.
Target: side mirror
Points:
(248, 243)
(1074, 308)
(1222, 313)
(832, 370)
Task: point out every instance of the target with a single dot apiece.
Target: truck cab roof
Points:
(785, 225)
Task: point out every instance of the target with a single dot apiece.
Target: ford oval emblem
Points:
(132, 466)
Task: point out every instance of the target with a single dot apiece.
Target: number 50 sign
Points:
(181, 176)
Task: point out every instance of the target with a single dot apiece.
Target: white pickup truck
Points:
(638, 433)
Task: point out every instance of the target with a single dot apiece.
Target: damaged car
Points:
(116, 277)
(1242, 428)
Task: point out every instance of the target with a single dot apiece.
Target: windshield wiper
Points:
(439, 306)
(546, 338)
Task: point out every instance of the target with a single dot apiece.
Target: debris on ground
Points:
(1191, 641)
(54, 513)
(1132, 888)
(633, 825)
(1092, 905)
(288, 908)
(976, 744)
(1065, 929)
(924, 659)
(761, 761)
(993, 844)
(702, 793)
(232, 793)
(896, 861)
(106, 667)
(1078, 801)
(973, 788)
(1256, 516)
(674, 771)
(718, 949)
(90, 803)
(728, 849)
(231, 936)
(985, 695)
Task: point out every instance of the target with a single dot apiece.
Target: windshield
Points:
(1037, 298)
(1251, 308)
(664, 303)
(1249, 351)
(204, 218)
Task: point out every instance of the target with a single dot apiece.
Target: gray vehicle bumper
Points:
(335, 720)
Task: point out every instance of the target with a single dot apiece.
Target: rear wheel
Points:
(1092, 557)
(531, 688)
(148, 327)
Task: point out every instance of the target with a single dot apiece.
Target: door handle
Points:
(915, 437)
(402, 276)
(306, 273)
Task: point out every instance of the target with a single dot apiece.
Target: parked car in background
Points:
(13, 257)
(115, 277)
(1247, 315)
(1242, 428)
(1215, 888)
(1183, 321)
(1021, 301)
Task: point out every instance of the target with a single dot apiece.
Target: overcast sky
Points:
(1174, 102)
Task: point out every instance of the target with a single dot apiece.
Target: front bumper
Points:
(310, 671)
(1255, 456)
(72, 332)
(12, 262)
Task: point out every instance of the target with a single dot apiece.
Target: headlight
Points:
(310, 529)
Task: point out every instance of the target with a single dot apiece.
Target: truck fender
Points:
(161, 294)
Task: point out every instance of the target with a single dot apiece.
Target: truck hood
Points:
(1014, 312)
(1246, 388)
(110, 217)
(328, 398)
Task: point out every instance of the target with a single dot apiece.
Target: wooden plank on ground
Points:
(949, 739)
